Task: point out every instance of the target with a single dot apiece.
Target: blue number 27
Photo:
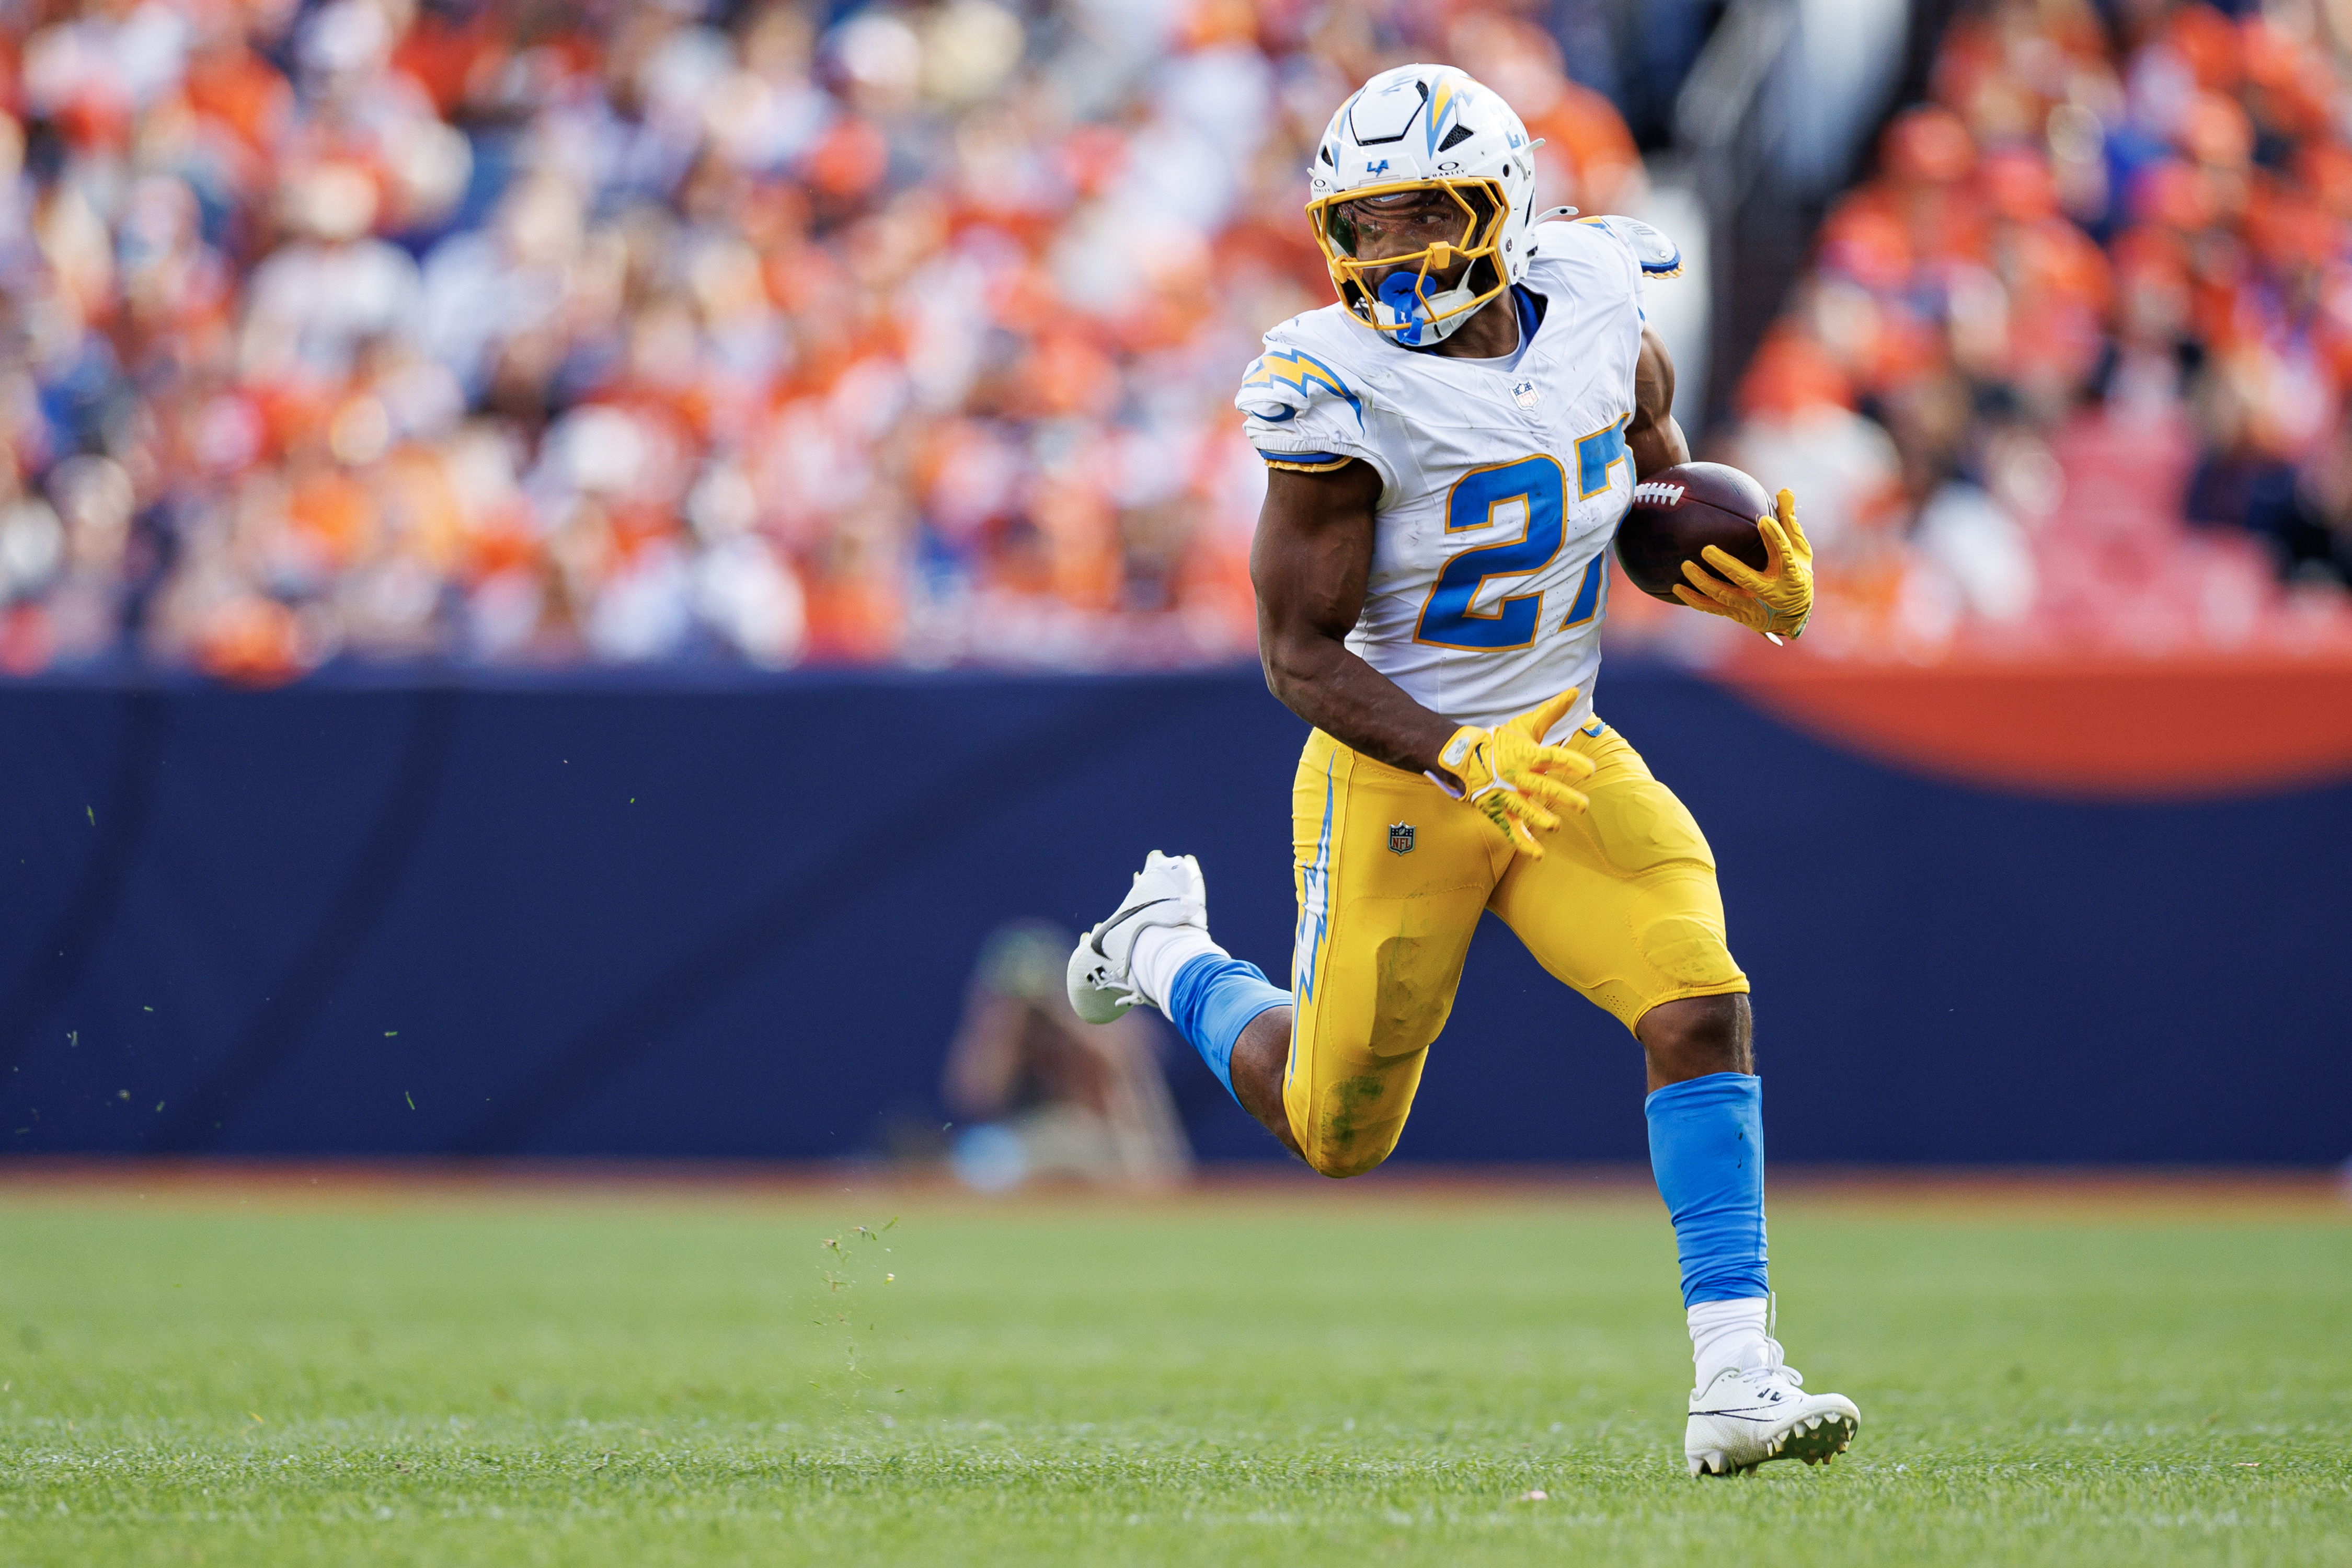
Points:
(1539, 484)
(1536, 483)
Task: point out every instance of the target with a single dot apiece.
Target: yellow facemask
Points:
(1405, 302)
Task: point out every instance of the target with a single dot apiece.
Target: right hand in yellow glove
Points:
(1777, 601)
(1506, 772)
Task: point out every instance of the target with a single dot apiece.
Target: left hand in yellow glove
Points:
(1508, 774)
(1775, 601)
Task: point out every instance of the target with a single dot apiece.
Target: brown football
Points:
(1678, 512)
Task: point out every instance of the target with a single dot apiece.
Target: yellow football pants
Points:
(1391, 876)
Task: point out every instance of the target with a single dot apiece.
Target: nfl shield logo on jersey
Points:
(1526, 395)
(1401, 838)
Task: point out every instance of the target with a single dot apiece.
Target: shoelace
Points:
(1775, 1368)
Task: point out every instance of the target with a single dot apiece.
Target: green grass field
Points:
(721, 1378)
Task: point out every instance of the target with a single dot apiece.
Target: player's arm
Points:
(1310, 564)
(1651, 435)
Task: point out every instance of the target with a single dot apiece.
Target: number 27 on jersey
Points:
(1537, 486)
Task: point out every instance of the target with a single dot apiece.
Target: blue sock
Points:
(1707, 1148)
(1212, 1000)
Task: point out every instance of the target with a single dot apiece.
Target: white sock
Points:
(1727, 1333)
(1160, 951)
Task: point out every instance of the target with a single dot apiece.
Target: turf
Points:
(714, 1379)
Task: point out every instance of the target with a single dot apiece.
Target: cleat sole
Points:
(1714, 1463)
(1818, 1442)
(1816, 1436)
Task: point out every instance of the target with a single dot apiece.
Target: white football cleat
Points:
(1168, 891)
(1749, 1416)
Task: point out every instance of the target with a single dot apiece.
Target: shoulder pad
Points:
(1286, 379)
(1658, 256)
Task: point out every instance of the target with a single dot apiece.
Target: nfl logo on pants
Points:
(1401, 838)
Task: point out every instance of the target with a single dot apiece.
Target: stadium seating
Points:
(492, 334)
(2067, 377)
(495, 334)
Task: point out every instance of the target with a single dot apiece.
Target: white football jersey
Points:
(1502, 481)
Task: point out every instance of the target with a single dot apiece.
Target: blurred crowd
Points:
(2070, 372)
(526, 333)
(542, 332)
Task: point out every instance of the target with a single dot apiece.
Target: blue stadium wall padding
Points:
(735, 919)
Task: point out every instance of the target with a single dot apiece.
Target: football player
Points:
(1451, 447)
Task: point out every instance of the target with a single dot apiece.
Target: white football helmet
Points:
(1420, 127)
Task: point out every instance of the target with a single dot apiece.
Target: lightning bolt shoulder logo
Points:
(1304, 372)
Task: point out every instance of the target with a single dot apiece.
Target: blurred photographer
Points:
(1046, 1096)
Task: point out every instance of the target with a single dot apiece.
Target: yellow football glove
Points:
(1506, 773)
(1775, 601)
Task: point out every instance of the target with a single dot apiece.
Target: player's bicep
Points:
(1313, 553)
(1653, 436)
